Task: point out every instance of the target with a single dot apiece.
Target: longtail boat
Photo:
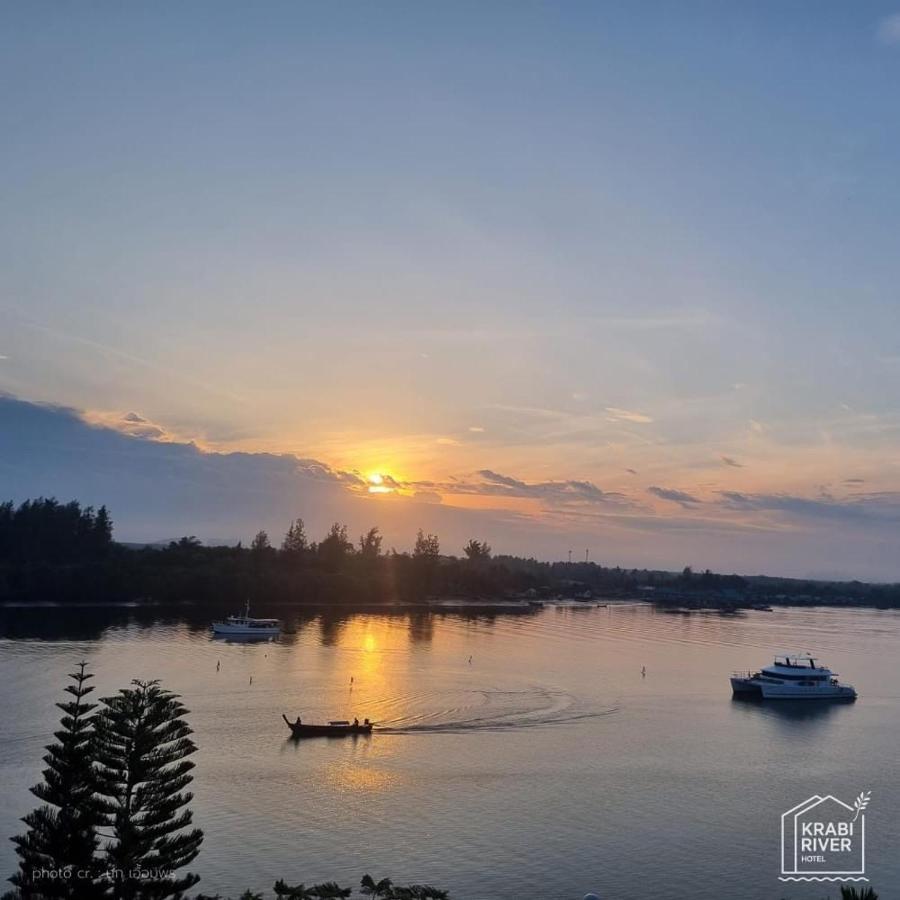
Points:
(332, 729)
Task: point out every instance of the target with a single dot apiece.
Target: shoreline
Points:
(449, 604)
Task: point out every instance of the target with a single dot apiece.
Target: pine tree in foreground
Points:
(56, 853)
(142, 746)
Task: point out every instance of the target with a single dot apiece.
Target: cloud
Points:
(631, 471)
(731, 461)
(552, 491)
(626, 415)
(681, 497)
(488, 483)
(562, 492)
(551, 427)
(697, 320)
(130, 423)
(737, 499)
(319, 471)
(875, 508)
(889, 30)
(476, 429)
(854, 481)
(505, 480)
(3, 356)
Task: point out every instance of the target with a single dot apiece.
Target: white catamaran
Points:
(793, 676)
(246, 626)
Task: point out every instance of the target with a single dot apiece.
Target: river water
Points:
(517, 756)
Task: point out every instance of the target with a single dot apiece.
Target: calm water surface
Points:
(546, 767)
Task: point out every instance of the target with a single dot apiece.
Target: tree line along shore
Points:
(65, 553)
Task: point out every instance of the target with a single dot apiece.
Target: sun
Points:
(377, 484)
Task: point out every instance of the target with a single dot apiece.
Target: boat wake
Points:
(495, 710)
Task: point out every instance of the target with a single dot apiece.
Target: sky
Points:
(608, 276)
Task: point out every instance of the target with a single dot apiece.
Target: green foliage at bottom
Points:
(330, 890)
(854, 893)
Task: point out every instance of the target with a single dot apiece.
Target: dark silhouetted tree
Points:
(47, 531)
(426, 555)
(370, 545)
(477, 551)
(427, 546)
(334, 549)
(142, 745)
(295, 542)
(260, 544)
(56, 853)
(102, 532)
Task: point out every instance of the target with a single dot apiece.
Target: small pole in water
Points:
(251, 679)
(470, 660)
(351, 679)
(218, 664)
(643, 671)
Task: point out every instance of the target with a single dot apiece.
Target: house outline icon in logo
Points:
(793, 865)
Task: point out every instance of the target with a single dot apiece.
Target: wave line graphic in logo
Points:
(824, 839)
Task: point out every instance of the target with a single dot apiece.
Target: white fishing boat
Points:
(792, 676)
(246, 626)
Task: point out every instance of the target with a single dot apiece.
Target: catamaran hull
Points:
(745, 687)
(750, 687)
(789, 692)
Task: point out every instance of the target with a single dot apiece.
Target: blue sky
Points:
(645, 246)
